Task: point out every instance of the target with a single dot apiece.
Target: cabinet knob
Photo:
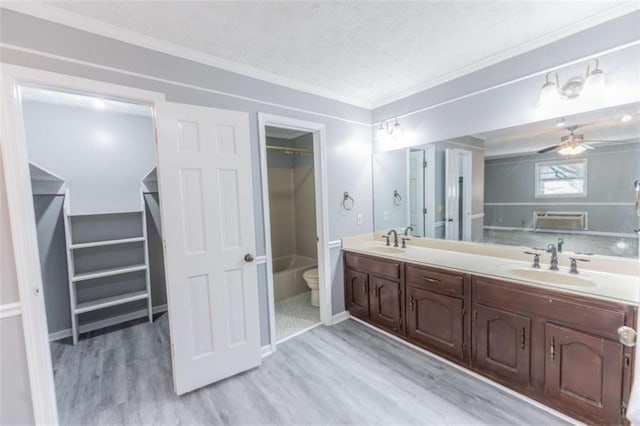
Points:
(627, 336)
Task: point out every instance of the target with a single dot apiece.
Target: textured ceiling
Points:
(366, 53)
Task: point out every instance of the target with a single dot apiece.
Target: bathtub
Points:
(287, 275)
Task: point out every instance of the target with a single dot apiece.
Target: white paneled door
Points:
(204, 170)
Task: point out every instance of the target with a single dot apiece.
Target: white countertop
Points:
(512, 265)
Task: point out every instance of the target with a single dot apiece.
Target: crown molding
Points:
(586, 23)
(94, 26)
(97, 27)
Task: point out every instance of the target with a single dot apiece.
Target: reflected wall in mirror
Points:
(569, 179)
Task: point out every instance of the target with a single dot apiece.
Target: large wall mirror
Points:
(574, 178)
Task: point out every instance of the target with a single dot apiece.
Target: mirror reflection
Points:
(571, 180)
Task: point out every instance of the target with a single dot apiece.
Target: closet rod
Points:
(284, 148)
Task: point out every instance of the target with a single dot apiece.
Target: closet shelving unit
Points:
(94, 238)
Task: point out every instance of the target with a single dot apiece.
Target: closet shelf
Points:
(105, 213)
(109, 272)
(106, 243)
(107, 302)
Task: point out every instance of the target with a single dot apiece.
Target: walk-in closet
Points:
(92, 163)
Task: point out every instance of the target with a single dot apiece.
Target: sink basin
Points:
(387, 250)
(553, 277)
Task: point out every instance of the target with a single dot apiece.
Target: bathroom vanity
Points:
(554, 338)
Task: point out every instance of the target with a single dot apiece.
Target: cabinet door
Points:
(584, 372)
(501, 343)
(357, 293)
(384, 296)
(435, 320)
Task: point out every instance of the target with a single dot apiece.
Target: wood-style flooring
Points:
(345, 374)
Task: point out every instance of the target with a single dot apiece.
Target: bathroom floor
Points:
(295, 314)
(341, 375)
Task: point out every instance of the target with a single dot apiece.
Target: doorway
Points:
(294, 202)
(92, 166)
(458, 175)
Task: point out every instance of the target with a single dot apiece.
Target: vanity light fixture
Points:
(626, 118)
(385, 129)
(574, 87)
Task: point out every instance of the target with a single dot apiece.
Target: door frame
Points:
(15, 161)
(322, 213)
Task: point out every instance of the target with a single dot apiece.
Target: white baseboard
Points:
(505, 389)
(265, 351)
(63, 334)
(338, 318)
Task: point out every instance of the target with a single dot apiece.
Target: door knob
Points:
(627, 336)
(248, 257)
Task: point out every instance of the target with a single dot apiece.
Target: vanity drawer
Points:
(381, 268)
(440, 282)
(597, 317)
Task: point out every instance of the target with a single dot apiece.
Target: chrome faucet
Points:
(551, 248)
(395, 237)
(406, 230)
(560, 244)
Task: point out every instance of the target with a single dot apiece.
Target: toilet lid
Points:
(311, 274)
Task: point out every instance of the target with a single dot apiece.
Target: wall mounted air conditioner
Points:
(575, 221)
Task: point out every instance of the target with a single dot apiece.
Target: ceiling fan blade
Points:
(549, 148)
(586, 145)
(611, 140)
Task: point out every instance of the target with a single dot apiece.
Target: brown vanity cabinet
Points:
(502, 343)
(373, 291)
(435, 306)
(584, 372)
(561, 349)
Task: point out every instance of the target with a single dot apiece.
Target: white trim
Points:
(22, 218)
(260, 260)
(342, 316)
(178, 83)
(473, 374)
(541, 164)
(9, 310)
(265, 351)
(576, 203)
(507, 83)
(95, 325)
(476, 216)
(560, 231)
(299, 333)
(322, 211)
(335, 244)
(104, 29)
(440, 223)
(95, 26)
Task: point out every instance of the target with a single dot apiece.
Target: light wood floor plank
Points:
(346, 374)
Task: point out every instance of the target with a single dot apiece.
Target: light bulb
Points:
(397, 130)
(98, 104)
(572, 149)
(594, 81)
(548, 94)
(381, 133)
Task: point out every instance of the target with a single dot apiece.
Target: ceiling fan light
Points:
(572, 149)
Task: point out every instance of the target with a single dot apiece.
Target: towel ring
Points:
(347, 202)
(397, 198)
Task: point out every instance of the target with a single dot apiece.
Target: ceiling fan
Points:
(572, 144)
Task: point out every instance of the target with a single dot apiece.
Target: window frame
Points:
(540, 164)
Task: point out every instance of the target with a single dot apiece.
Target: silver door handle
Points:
(627, 336)
(248, 258)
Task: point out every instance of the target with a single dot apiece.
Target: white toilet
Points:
(311, 277)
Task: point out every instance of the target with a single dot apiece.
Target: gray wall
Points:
(610, 175)
(103, 156)
(348, 136)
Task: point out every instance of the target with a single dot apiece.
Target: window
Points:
(561, 178)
